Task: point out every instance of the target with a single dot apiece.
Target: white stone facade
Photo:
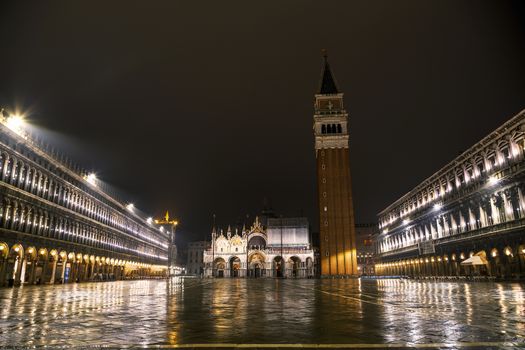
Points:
(281, 249)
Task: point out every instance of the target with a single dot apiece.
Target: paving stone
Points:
(264, 311)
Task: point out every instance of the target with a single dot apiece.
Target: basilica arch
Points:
(219, 266)
(235, 266)
(257, 264)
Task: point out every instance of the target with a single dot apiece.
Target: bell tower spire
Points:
(327, 84)
(334, 185)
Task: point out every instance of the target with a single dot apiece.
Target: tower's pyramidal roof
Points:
(327, 84)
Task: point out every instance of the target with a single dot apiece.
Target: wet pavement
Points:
(358, 313)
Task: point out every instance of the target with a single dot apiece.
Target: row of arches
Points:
(32, 178)
(501, 207)
(258, 266)
(43, 265)
(502, 262)
(508, 150)
(331, 129)
(20, 216)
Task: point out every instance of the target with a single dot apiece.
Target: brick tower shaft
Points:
(334, 184)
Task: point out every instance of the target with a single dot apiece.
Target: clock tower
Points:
(334, 185)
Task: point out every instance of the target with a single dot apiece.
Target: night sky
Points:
(206, 107)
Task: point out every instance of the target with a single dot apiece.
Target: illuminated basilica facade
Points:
(281, 248)
(475, 205)
(57, 225)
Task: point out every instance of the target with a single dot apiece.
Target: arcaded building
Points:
(473, 206)
(334, 183)
(57, 225)
(281, 248)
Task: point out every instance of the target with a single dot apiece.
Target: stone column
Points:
(32, 272)
(86, 271)
(3, 268)
(23, 272)
(53, 271)
(92, 271)
(44, 270)
(18, 271)
(63, 273)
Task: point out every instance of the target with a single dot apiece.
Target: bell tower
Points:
(334, 185)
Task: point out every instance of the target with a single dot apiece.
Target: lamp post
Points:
(171, 226)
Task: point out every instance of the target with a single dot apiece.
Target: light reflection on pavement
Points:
(264, 311)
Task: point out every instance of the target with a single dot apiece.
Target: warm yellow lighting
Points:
(508, 252)
(91, 178)
(42, 251)
(30, 250)
(462, 256)
(1, 247)
(15, 122)
(17, 249)
(63, 255)
(493, 180)
(130, 206)
(53, 253)
(523, 250)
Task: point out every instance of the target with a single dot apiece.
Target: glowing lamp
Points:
(15, 122)
(91, 178)
(493, 180)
